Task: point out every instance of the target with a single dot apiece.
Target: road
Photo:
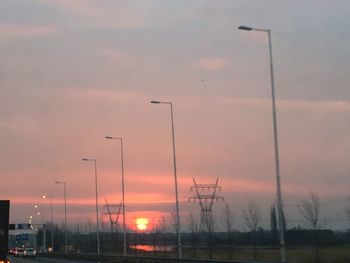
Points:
(46, 260)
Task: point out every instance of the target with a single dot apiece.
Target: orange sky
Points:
(73, 72)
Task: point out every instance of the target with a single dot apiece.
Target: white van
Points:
(29, 252)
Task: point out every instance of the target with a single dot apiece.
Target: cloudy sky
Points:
(72, 72)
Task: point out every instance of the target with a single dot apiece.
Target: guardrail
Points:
(142, 259)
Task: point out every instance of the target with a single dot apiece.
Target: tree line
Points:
(82, 236)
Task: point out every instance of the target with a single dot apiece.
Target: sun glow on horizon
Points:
(142, 223)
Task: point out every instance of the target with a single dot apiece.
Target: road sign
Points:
(20, 237)
(20, 226)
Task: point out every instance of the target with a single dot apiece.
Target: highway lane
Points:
(46, 260)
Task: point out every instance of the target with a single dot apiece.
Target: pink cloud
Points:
(98, 15)
(260, 37)
(82, 7)
(25, 31)
(316, 106)
(212, 63)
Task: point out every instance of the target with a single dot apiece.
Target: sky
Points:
(73, 72)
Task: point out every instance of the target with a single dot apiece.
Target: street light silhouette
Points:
(50, 197)
(65, 215)
(178, 229)
(274, 118)
(97, 221)
(43, 228)
(123, 189)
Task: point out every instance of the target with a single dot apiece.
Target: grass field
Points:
(339, 254)
(295, 255)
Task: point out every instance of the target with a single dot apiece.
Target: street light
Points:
(278, 182)
(97, 223)
(43, 229)
(50, 197)
(123, 192)
(179, 248)
(65, 215)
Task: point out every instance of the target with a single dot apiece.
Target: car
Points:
(4, 260)
(11, 251)
(19, 252)
(29, 252)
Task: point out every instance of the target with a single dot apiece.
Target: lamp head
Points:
(247, 28)
(155, 101)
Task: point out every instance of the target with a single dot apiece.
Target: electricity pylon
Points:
(206, 194)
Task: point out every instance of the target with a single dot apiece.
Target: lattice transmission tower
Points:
(113, 211)
(206, 195)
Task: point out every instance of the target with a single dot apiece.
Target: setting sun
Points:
(142, 223)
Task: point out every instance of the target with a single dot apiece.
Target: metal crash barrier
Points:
(141, 259)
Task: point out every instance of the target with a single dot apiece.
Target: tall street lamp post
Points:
(43, 229)
(97, 221)
(50, 197)
(178, 229)
(65, 215)
(278, 183)
(123, 189)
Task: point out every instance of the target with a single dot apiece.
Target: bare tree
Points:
(193, 227)
(310, 211)
(347, 211)
(252, 218)
(173, 219)
(163, 229)
(229, 220)
(210, 227)
(155, 239)
(273, 225)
